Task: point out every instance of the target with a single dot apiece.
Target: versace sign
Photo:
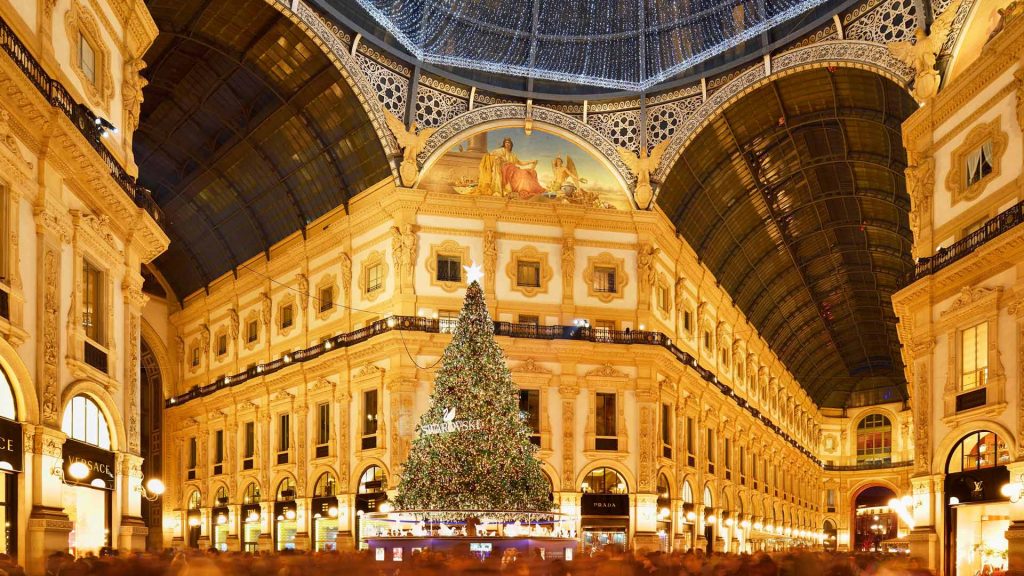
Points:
(10, 445)
(99, 463)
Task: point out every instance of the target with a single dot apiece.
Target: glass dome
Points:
(620, 44)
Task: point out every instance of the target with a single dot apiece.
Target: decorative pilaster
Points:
(568, 390)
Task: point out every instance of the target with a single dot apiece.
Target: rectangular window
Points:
(375, 277)
(222, 344)
(326, 298)
(604, 325)
(604, 414)
(830, 500)
(528, 273)
(690, 440)
(743, 465)
(287, 316)
(253, 332)
(529, 319)
(218, 447)
(974, 227)
(753, 471)
(87, 58)
(529, 406)
(323, 424)
(370, 419)
(195, 356)
(666, 431)
(284, 422)
(707, 340)
(688, 322)
(974, 348)
(92, 301)
(978, 164)
(193, 451)
(249, 443)
(449, 268)
(604, 279)
(664, 298)
(728, 459)
(447, 320)
(709, 441)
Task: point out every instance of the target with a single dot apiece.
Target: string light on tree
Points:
(473, 451)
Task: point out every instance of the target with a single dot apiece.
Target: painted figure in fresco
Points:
(502, 173)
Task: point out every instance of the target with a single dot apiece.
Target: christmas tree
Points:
(473, 449)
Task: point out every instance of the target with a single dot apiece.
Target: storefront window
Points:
(250, 517)
(977, 515)
(285, 516)
(371, 493)
(325, 513)
(605, 508)
(220, 516)
(7, 406)
(978, 451)
(86, 494)
(194, 518)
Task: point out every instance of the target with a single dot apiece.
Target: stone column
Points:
(265, 543)
(646, 536)
(345, 540)
(235, 520)
(48, 525)
(133, 531)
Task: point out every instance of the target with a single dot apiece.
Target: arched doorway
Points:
(325, 513)
(219, 516)
(285, 515)
(874, 521)
(664, 505)
(976, 512)
(709, 520)
(251, 518)
(11, 458)
(689, 514)
(605, 509)
(151, 410)
(371, 493)
(194, 518)
(88, 474)
(831, 535)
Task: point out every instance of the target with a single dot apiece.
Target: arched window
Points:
(83, 421)
(251, 494)
(8, 409)
(874, 440)
(604, 481)
(195, 500)
(286, 489)
(687, 492)
(977, 450)
(709, 499)
(221, 498)
(373, 480)
(325, 485)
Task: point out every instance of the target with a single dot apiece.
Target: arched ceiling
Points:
(795, 199)
(248, 132)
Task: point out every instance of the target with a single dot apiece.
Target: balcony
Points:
(944, 257)
(442, 326)
(868, 466)
(79, 115)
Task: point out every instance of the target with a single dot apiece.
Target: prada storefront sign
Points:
(605, 504)
(99, 462)
(10, 445)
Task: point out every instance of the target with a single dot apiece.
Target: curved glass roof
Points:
(628, 45)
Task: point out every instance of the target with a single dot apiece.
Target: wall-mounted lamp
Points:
(1012, 490)
(152, 490)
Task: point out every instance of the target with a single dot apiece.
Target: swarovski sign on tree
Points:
(473, 450)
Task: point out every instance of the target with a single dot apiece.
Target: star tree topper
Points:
(474, 273)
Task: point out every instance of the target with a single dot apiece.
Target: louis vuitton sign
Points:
(11, 448)
(99, 463)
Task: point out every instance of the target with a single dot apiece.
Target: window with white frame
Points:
(978, 163)
(87, 58)
(370, 419)
(83, 421)
(92, 301)
(604, 279)
(974, 357)
(375, 277)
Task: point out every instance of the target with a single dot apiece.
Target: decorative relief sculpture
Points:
(568, 265)
(303, 290)
(490, 259)
(266, 308)
(920, 186)
(50, 336)
(645, 268)
(920, 54)
(642, 166)
(411, 144)
(131, 92)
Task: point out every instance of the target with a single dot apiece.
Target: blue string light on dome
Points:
(621, 44)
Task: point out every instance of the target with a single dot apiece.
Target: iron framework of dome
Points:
(629, 45)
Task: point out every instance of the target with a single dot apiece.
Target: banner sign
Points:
(11, 449)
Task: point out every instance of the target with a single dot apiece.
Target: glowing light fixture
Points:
(78, 470)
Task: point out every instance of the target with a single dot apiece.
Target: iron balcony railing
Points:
(440, 326)
(83, 118)
(996, 226)
(868, 466)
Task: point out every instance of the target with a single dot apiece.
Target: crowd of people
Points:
(603, 563)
